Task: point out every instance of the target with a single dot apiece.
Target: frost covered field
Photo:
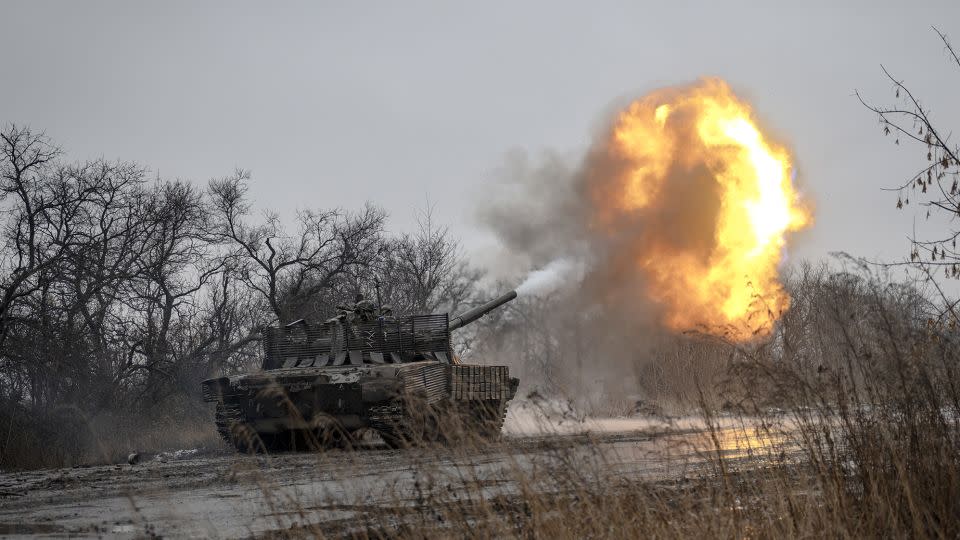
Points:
(220, 494)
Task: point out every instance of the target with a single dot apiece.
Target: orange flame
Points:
(694, 160)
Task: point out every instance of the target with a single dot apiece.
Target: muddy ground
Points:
(215, 493)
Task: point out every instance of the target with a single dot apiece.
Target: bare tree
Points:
(111, 287)
(934, 187)
(118, 293)
(31, 244)
(281, 266)
(426, 272)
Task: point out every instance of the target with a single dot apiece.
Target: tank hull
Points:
(319, 407)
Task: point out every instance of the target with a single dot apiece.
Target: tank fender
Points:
(214, 389)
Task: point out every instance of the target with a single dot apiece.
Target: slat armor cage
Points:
(385, 340)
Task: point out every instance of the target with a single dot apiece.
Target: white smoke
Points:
(551, 277)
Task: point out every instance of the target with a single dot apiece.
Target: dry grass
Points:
(855, 406)
(852, 408)
(64, 437)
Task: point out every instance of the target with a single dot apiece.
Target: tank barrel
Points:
(471, 315)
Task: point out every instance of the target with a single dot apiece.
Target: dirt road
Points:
(219, 494)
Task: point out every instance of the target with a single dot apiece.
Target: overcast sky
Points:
(399, 102)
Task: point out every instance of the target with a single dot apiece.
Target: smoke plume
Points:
(673, 223)
(678, 215)
(551, 277)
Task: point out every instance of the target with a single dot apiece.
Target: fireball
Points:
(703, 202)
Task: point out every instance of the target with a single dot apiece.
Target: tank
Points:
(325, 385)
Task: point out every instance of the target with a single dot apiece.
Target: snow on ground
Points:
(544, 417)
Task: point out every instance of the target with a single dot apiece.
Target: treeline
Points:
(120, 291)
(615, 363)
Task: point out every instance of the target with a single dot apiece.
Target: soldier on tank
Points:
(360, 310)
(363, 309)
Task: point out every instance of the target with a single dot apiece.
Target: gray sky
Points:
(335, 104)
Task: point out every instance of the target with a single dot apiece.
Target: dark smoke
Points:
(536, 211)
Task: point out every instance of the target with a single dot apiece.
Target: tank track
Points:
(229, 414)
(398, 429)
(233, 429)
(226, 416)
(390, 421)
